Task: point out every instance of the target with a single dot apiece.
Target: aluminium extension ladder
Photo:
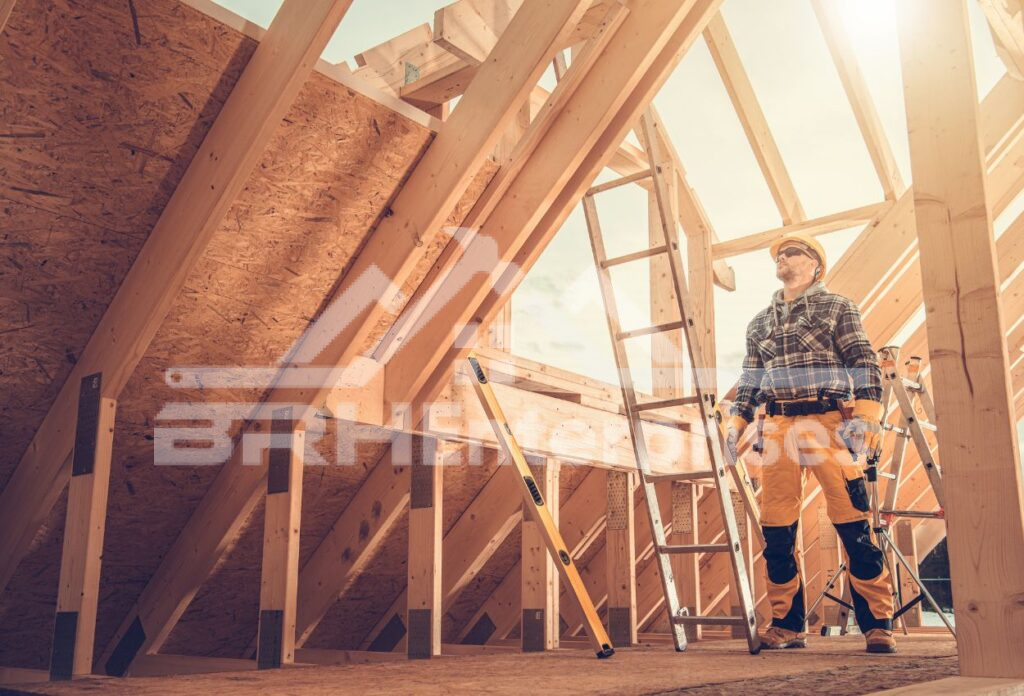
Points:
(533, 502)
(704, 399)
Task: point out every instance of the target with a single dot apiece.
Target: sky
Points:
(557, 313)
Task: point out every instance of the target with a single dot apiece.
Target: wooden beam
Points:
(829, 223)
(620, 550)
(981, 460)
(426, 487)
(219, 169)
(78, 589)
(470, 29)
(168, 665)
(392, 252)
(560, 428)
(1006, 22)
(864, 111)
(279, 581)
(753, 120)
(539, 593)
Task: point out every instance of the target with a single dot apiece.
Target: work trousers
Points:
(793, 445)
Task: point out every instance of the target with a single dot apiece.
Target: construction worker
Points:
(802, 354)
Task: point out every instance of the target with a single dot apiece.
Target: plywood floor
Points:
(835, 666)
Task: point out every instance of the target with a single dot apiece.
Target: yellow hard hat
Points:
(805, 240)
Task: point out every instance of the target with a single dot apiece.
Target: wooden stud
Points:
(219, 169)
(823, 225)
(426, 489)
(839, 45)
(279, 582)
(686, 566)
(78, 589)
(539, 595)
(960, 276)
(907, 544)
(620, 550)
(752, 118)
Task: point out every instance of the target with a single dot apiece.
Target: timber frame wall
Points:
(517, 159)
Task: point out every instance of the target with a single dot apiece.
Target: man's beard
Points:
(785, 273)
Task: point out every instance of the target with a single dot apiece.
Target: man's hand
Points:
(864, 435)
(734, 428)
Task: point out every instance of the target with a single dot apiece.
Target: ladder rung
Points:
(668, 403)
(711, 620)
(648, 330)
(615, 183)
(927, 426)
(681, 476)
(693, 548)
(912, 385)
(635, 256)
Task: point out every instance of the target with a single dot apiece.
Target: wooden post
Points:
(970, 371)
(906, 542)
(746, 553)
(279, 576)
(539, 627)
(620, 554)
(686, 566)
(424, 592)
(74, 628)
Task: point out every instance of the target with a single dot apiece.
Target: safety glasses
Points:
(792, 251)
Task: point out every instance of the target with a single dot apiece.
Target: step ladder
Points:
(534, 503)
(901, 390)
(910, 428)
(704, 400)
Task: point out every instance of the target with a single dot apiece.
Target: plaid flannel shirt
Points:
(814, 348)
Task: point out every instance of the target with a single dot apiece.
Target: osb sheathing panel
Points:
(114, 109)
(97, 125)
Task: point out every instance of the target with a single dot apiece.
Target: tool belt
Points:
(802, 408)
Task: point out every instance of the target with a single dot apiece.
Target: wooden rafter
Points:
(839, 45)
(753, 120)
(1006, 21)
(607, 102)
(219, 169)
